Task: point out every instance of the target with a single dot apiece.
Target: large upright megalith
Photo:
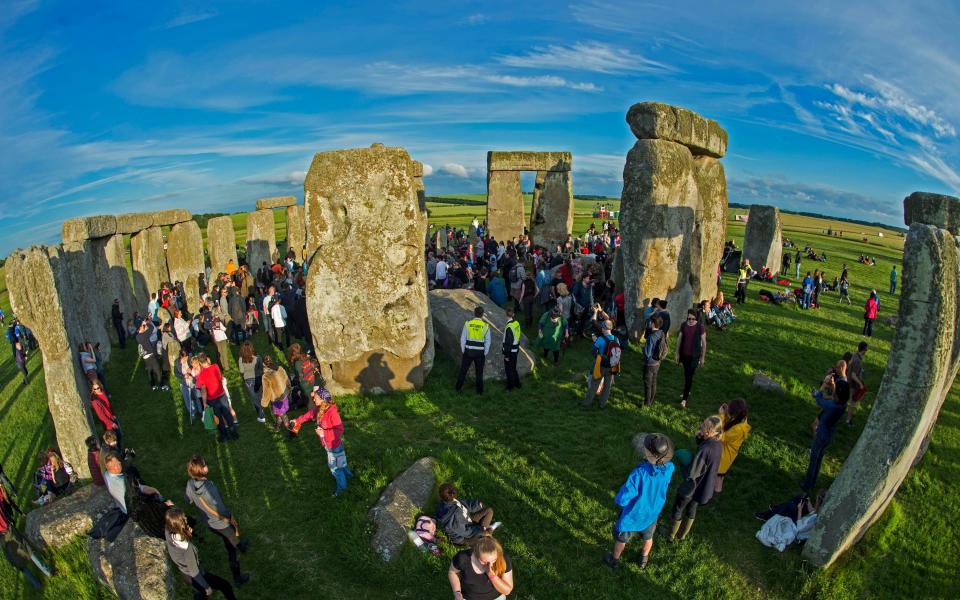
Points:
(296, 231)
(673, 209)
(39, 287)
(367, 309)
(113, 280)
(551, 216)
(763, 239)
(261, 239)
(921, 368)
(82, 295)
(185, 259)
(221, 243)
(149, 262)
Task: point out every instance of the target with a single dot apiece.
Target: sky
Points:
(109, 107)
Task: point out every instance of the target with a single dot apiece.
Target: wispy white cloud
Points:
(810, 197)
(294, 178)
(475, 19)
(544, 81)
(427, 170)
(597, 57)
(455, 169)
(188, 17)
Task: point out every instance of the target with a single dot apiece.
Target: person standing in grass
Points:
(699, 477)
(654, 350)
(796, 261)
(482, 573)
(330, 432)
(642, 498)
(893, 280)
(275, 392)
(606, 364)
(691, 351)
(552, 331)
(209, 380)
(177, 536)
(855, 374)
(222, 341)
(743, 277)
(735, 433)
(203, 493)
(832, 408)
(20, 357)
(251, 369)
(474, 344)
(871, 308)
(807, 287)
(511, 350)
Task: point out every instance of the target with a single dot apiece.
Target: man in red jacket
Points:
(210, 384)
(330, 432)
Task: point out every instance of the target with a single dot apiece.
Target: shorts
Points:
(625, 536)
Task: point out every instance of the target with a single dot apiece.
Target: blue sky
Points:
(108, 107)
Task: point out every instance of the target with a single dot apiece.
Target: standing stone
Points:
(149, 263)
(82, 295)
(763, 239)
(296, 231)
(38, 285)
(261, 239)
(221, 243)
(398, 507)
(113, 278)
(504, 205)
(367, 310)
(535, 200)
(88, 228)
(429, 349)
(185, 259)
(921, 368)
(452, 308)
(553, 220)
(673, 221)
(276, 202)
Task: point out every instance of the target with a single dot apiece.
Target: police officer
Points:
(475, 344)
(511, 350)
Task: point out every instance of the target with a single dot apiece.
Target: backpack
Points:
(611, 354)
(661, 349)
(515, 273)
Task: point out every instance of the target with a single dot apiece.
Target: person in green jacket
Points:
(552, 329)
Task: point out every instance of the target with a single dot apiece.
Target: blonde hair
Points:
(716, 425)
(841, 367)
(486, 545)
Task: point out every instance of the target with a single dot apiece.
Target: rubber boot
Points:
(674, 530)
(687, 526)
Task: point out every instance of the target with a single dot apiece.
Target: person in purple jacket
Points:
(642, 498)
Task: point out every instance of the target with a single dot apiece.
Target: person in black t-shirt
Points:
(483, 573)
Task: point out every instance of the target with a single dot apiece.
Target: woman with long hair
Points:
(699, 477)
(177, 534)
(100, 404)
(251, 369)
(275, 391)
(481, 573)
(735, 432)
(330, 432)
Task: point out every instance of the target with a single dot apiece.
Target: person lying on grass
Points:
(464, 521)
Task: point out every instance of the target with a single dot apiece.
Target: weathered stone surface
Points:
(221, 243)
(134, 567)
(37, 282)
(504, 205)
(57, 523)
(518, 160)
(276, 202)
(552, 221)
(134, 222)
(932, 209)
(673, 220)
(82, 295)
(171, 216)
(261, 239)
(296, 230)
(452, 308)
(88, 228)
(657, 121)
(763, 239)
(366, 315)
(920, 370)
(534, 201)
(765, 383)
(113, 279)
(149, 263)
(398, 506)
(185, 259)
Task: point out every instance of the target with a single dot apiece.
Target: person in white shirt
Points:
(265, 311)
(278, 315)
(182, 329)
(220, 338)
(441, 272)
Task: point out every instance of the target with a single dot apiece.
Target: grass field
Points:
(549, 470)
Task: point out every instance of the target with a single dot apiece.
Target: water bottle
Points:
(415, 539)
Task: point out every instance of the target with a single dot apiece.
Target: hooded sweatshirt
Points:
(184, 555)
(204, 494)
(642, 497)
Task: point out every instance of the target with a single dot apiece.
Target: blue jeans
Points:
(191, 401)
(337, 463)
(817, 451)
(893, 287)
(807, 299)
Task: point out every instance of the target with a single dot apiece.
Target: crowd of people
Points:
(565, 293)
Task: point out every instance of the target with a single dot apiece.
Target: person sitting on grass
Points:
(642, 498)
(464, 521)
(483, 573)
(794, 509)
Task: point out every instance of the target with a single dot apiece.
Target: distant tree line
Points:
(831, 218)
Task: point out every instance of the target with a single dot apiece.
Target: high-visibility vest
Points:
(476, 334)
(514, 326)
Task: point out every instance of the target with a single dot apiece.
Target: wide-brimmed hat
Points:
(657, 448)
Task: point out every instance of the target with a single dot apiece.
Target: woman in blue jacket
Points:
(642, 498)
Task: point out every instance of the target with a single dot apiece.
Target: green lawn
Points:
(549, 471)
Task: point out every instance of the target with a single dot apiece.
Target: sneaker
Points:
(165, 388)
(154, 388)
(610, 561)
(261, 420)
(496, 526)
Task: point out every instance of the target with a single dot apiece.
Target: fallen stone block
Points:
(764, 383)
(134, 566)
(398, 506)
(57, 523)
